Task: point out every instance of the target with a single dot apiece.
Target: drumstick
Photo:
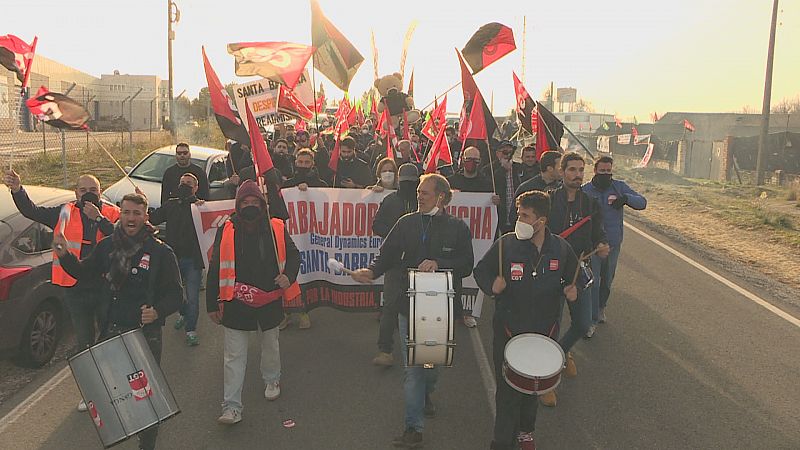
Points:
(336, 266)
(577, 270)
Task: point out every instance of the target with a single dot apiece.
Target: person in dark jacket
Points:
(507, 178)
(244, 292)
(305, 174)
(351, 172)
(546, 180)
(143, 284)
(577, 218)
(182, 237)
(183, 164)
(427, 240)
(282, 159)
(530, 166)
(528, 285)
(392, 208)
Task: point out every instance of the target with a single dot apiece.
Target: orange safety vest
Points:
(227, 261)
(73, 232)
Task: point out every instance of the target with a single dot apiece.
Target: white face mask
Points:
(523, 231)
(387, 178)
(432, 212)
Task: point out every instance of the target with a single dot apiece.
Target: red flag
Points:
(289, 103)
(225, 111)
(542, 142)
(439, 151)
(280, 61)
(618, 122)
(17, 56)
(58, 110)
(411, 84)
(385, 129)
(634, 132)
(300, 125)
(438, 117)
(343, 110)
(688, 125)
(470, 90)
(406, 131)
(261, 159)
(475, 125)
(340, 131)
(525, 105)
(319, 105)
(490, 43)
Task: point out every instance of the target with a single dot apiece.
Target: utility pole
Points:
(762, 138)
(173, 16)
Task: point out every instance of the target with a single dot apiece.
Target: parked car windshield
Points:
(153, 167)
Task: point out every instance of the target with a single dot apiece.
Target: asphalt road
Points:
(683, 362)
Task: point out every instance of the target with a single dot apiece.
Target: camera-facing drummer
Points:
(426, 240)
(528, 286)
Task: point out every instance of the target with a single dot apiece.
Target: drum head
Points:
(534, 355)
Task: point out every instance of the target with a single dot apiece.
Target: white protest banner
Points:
(337, 223)
(624, 139)
(641, 139)
(602, 144)
(646, 158)
(207, 218)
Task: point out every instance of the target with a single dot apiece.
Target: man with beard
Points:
(577, 218)
(183, 164)
(305, 174)
(392, 208)
(142, 283)
(84, 222)
(426, 240)
(548, 179)
(530, 167)
(527, 286)
(612, 195)
(182, 237)
(282, 159)
(352, 172)
(253, 267)
(470, 179)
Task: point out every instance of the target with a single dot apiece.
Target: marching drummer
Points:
(426, 240)
(142, 281)
(525, 271)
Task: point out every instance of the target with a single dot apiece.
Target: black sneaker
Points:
(410, 439)
(430, 408)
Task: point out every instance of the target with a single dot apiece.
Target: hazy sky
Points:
(626, 57)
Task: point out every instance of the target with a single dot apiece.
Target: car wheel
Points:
(41, 336)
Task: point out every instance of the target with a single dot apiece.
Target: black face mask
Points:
(408, 189)
(303, 172)
(183, 191)
(90, 197)
(251, 213)
(602, 180)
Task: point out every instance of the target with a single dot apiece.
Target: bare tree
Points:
(787, 106)
(584, 105)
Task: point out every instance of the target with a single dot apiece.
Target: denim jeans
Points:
(86, 306)
(190, 274)
(580, 314)
(604, 270)
(235, 358)
(417, 383)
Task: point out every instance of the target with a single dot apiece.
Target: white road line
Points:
(34, 398)
(745, 293)
(485, 368)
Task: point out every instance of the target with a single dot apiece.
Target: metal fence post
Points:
(44, 137)
(64, 157)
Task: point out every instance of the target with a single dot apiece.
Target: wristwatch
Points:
(98, 219)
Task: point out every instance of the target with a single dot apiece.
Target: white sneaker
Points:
(230, 417)
(591, 331)
(602, 316)
(470, 322)
(272, 391)
(82, 406)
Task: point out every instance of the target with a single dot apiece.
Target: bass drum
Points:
(123, 387)
(431, 338)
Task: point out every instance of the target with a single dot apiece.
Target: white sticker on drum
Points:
(139, 385)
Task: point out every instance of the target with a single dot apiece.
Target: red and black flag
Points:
(490, 43)
(470, 90)
(525, 105)
(261, 159)
(224, 109)
(17, 56)
(279, 61)
(58, 110)
(548, 126)
(335, 56)
(688, 125)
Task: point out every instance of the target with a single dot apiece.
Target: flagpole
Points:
(262, 187)
(491, 164)
(314, 92)
(443, 93)
(579, 141)
(125, 174)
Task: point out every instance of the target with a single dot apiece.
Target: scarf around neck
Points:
(124, 248)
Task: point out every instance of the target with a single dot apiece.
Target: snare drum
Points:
(533, 363)
(431, 338)
(123, 387)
